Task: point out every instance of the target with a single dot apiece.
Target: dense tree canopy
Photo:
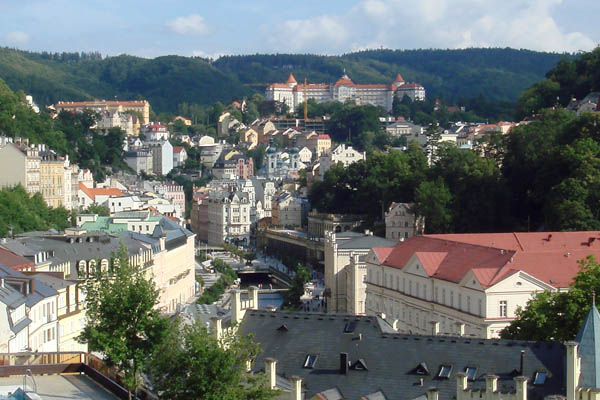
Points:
(20, 212)
(193, 364)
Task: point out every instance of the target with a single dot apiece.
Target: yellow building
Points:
(53, 185)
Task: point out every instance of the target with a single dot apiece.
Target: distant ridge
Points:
(494, 73)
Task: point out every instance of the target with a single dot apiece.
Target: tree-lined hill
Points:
(498, 75)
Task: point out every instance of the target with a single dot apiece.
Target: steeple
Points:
(589, 349)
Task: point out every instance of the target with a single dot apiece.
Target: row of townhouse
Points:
(166, 253)
(40, 311)
(39, 170)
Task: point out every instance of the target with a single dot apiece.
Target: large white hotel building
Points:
(292, 93)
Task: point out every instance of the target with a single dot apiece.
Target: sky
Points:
(204, 28)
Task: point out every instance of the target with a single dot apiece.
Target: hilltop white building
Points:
(344, 89)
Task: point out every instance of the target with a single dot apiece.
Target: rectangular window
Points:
(471, 371)
(503, 308)
(445, 371)
(310, 361)
(540, 378)
(480, 308)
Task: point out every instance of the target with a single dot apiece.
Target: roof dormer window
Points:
(444, 372)
(540, 378)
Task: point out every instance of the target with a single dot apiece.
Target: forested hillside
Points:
(497, 75)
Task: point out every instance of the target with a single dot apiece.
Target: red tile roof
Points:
(93, 192)
(14, 261)
(398, 78)
(551, 257)
(344, 81)
(291, 79)
(279, 86)
(178, 149)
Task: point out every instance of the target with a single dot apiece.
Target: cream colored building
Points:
(56, 180)
(344, 283)
(342, 153)
(287, 211)
(140, 106)
(470, 284)
(401, 223)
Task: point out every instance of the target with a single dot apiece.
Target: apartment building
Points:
(401, 223)
(229, 217)
(23, 162)
(140, 160)
(162, 156)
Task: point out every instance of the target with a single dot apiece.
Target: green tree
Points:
(123, 322)
(432, 201)
(557, 315)
(193, 364)
(292, 297)
(95, 208)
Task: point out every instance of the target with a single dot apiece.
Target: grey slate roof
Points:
(391, 359)
(589, 350)
(354, 240)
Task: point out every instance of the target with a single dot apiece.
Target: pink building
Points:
(245, 168)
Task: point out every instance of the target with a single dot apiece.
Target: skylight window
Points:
(540, 378)
(445, 371)
(471, 371)
(310, 361)
(350, 327)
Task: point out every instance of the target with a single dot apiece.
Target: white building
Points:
(305, 155)
(155, 131)
(140, 160)
(470, 284)
(162, 157)
(342, 153)
(293, 94)
(179, 156)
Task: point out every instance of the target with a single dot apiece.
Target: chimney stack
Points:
(296, 393)
(271, 371)
(344, 363)
(522, 366)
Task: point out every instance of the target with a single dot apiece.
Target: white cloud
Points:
(15, 38)
(325, 32)
(214, 55)
(191, 25)
(430, 23)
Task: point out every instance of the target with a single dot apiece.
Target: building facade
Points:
(470, 284)
(401, 223)
(344, 89)
(342, 153)
(142, 107)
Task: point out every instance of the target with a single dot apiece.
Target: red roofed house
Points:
(15, 261)
(293, 94)
(470, 284)
(88, 196)
(179, 156)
